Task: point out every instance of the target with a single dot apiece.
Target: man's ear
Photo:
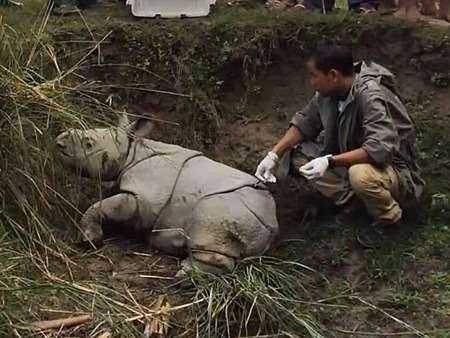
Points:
(335, 74)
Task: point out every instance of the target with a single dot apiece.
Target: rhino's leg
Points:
(428, 7)
(170, 241)
(213, 262)
(118, 209)
(408, 9)
(227, 227)
(444, 10)
(212, 248)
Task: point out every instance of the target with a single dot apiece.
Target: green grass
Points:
(37, 98)
(18, 16)
(263, 295)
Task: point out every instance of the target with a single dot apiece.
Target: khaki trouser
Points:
(377, 188)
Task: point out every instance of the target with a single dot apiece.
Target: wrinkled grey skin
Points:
(189, 205)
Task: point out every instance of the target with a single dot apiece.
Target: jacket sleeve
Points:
(308, 120)
(379, 132)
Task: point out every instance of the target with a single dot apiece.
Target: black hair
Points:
(327, 56)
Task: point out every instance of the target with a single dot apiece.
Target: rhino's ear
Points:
(124, 122)
(141, 127)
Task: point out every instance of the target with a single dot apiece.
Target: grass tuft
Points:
(263, 295)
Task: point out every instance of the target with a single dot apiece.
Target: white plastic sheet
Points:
(170, 8)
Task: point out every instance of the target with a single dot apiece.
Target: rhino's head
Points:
(100, 152)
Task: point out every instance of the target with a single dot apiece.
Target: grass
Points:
(39, 277)
(43, 90)
(38, 98)
(263, 295)
(16, 16)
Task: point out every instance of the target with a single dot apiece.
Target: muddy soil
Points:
(253, 115)
(256, 115)
(259, 118)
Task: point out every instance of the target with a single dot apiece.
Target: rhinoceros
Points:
(186, 204)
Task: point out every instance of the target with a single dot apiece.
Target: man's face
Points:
(326, 83)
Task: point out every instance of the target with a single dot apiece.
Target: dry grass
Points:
(38, 271)
(263, 295)
(38, 280)
(37, 99)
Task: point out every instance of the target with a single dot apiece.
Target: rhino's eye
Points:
(88, 143)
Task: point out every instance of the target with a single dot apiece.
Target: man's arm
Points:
(380, 138)
(304, 125)
(317, 167)
(292, 137)
(380, 134)
(350, 158)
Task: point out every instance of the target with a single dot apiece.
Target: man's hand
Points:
(275, 4)
(315, 168)
(264, 170)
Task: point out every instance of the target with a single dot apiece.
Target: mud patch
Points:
(127, 264)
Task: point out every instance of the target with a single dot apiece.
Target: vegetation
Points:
(53, 75)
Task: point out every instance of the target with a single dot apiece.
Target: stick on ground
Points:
(59, 323)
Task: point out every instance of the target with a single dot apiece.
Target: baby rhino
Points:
(185, 203)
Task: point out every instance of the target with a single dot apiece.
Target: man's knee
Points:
(361, 176)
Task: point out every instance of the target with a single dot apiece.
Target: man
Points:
(409, 9)
(354, 141)
(323, 6)
(363, 7)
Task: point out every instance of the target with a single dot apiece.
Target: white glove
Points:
(264, 170)
(315, 168)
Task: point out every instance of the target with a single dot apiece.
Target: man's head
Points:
(330, 69)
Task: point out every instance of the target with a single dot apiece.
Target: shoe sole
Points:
(365, 245)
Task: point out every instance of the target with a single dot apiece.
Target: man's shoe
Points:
(373, 236)
(350, 213)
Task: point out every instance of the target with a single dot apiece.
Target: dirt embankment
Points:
(230, 84)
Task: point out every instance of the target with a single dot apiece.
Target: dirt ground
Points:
(407, 279)
(401, 284)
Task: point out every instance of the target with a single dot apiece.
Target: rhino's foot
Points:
(188, 265)
(206, 262)
(93, 234)
(89, 245)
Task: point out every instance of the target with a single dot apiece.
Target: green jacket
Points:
(372, 117)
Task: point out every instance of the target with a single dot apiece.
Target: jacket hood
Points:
(371, 71)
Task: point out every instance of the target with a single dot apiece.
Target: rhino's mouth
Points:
(65, 153)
